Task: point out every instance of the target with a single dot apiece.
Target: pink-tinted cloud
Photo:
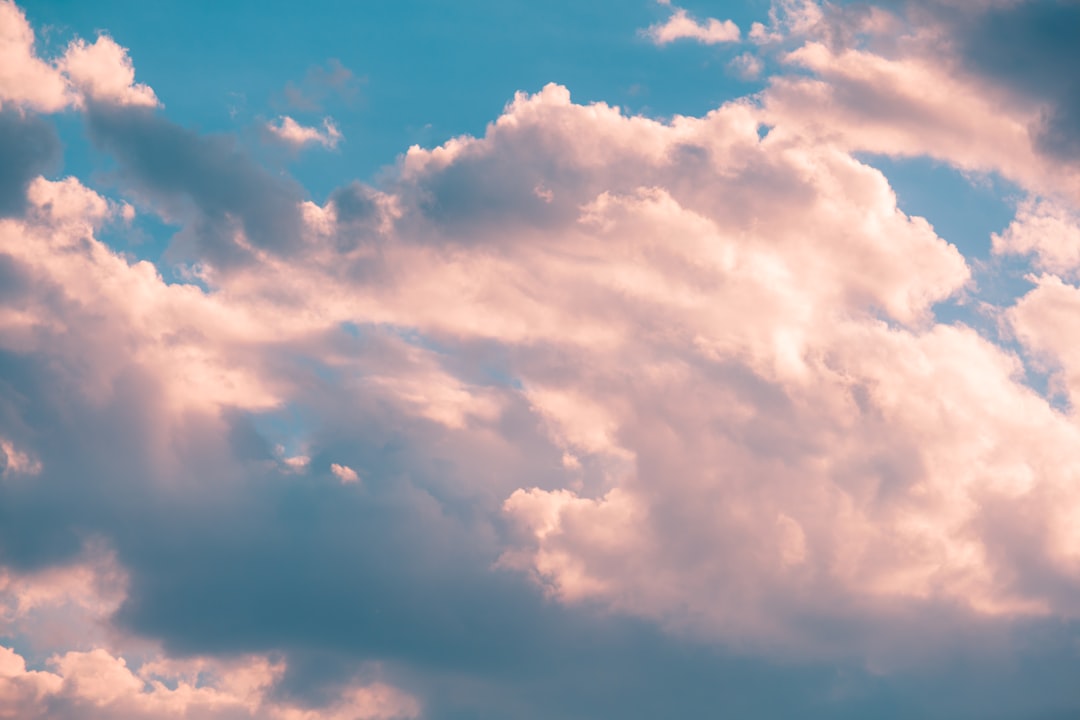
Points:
(25, 79)
(680, 26)
(98, 684)
(727, 336)
(14, 462)
(344, 473)
(101, 71)
(291, 133)
(1047, 230)
(913, 98)
(86, 675)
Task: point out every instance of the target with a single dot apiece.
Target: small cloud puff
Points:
(344, 473)
(681, 26)
(292, 463)
(292, 133)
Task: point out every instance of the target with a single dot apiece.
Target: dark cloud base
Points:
(29, 147)
(206, 179)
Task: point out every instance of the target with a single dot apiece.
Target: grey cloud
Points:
(1032, 46)
(28, 147)
(208, 173)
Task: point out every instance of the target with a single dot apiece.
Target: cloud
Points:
(793, 20)
(344, 473)
(1046, 230)
(295, 135)
(746, 66)
(876, 260)
(16, 462)
(233, 207)
(97, 684)
(64, 607)
(26, 80)
(103, 73)
(680, 26)
(28, 147)
(636, 403)
(918, 103)
(1025, 45)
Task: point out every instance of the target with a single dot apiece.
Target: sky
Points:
(519, 361)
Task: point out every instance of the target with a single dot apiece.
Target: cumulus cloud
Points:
(100, 71)
(1047, 230)
(681, 26)
(97, 684)
(813, 353)
(25, 79)
(291, 133)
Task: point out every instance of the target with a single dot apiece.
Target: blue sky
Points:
(440, 360)
(424, 71)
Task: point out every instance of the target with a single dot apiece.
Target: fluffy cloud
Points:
(1046, 230)
(687, 372)
(26, 80)
(800, 337)
(100, 72)
(761, 380)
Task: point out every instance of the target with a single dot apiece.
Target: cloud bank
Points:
(590, 415)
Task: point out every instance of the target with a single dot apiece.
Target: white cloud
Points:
(1049, 231)
(916, 103)
(25, 79)
(680, 26)
(292, 133)
(101, 71)
(728, 340)
(344, 473)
